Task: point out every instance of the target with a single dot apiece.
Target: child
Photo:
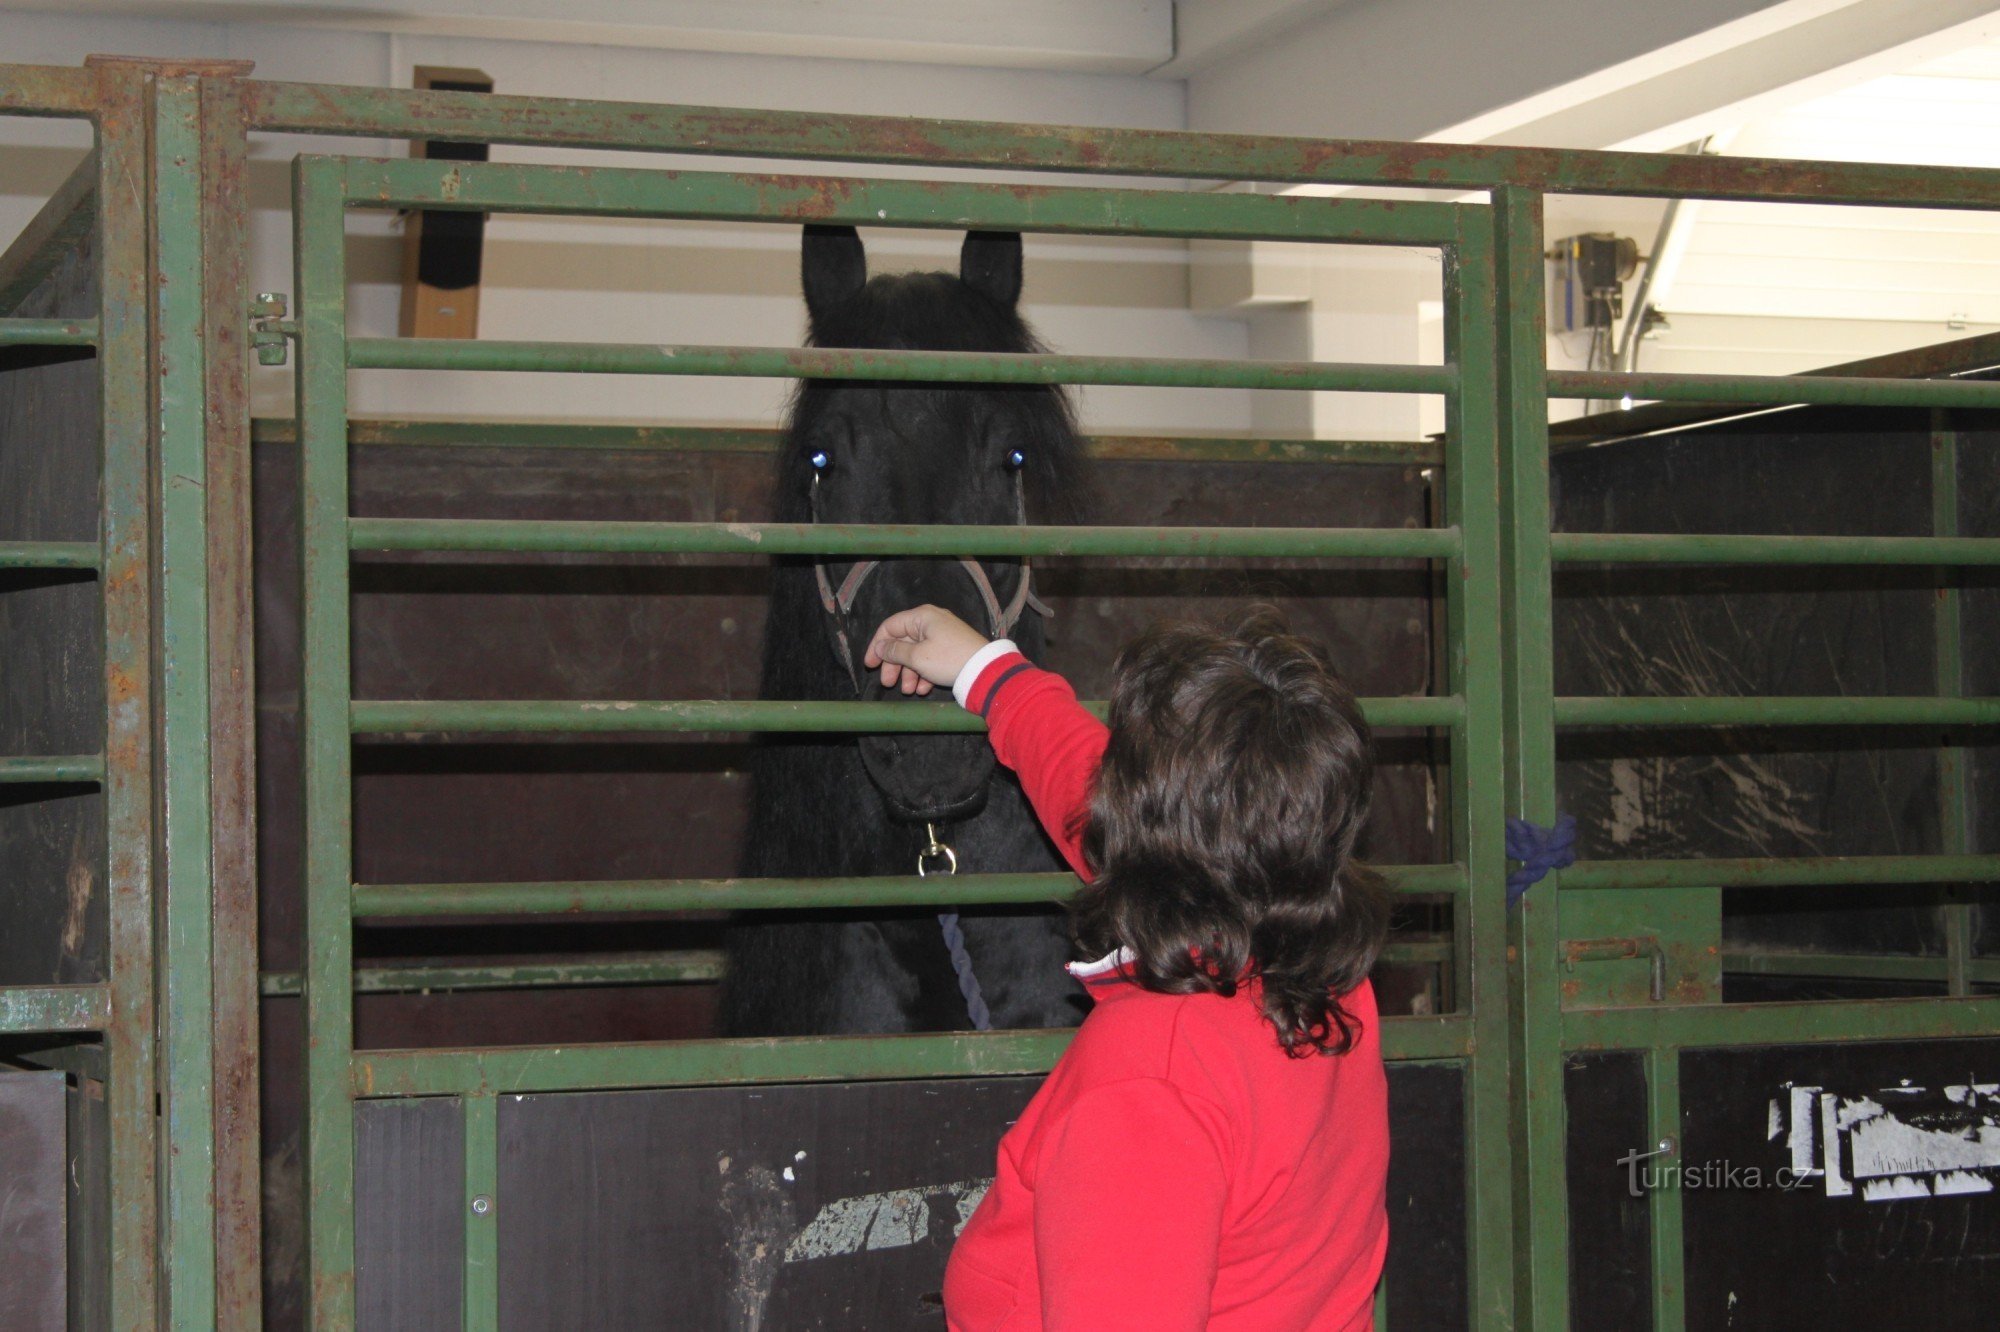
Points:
(1211, 1150)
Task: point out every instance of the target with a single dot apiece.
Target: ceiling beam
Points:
(1101, 36)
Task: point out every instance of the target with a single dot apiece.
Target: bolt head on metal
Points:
(481, 1205)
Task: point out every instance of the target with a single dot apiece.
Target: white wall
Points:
(628, 281)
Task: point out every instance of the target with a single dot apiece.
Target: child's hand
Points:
(921, 647)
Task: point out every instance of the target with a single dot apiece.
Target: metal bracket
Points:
(269, 328)
(1621, 950)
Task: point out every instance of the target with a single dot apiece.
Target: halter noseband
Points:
(839, 604)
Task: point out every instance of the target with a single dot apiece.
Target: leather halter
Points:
(839, 604)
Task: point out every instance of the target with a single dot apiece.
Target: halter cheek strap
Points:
(839, 603)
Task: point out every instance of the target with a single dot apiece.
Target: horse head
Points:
(933, 453)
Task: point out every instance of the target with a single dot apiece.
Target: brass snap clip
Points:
(935, 852)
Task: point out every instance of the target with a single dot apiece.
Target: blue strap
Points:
(961, 963)
(1539, 850)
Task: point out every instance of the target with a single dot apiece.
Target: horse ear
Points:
(833, 267)
(990, 263)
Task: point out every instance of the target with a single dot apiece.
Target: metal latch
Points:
(269, 328)
(1621, 950)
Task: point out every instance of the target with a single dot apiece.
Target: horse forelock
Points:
(938, 312)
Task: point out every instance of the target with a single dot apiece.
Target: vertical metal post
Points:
(1663, 1205)
(1954, 782)
(319, 223)
(1473, 630)
(482, 1219)
(126, 536)
(187, 943)
(1541, 1233)
(232, 704)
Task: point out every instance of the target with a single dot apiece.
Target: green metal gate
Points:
(1521, 1012)
(1467, 546)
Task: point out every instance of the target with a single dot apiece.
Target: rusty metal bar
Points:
(26, 1009)
(381, 716)
(84, 768)
(48, 332)
(232, 735)
(126, 370)
(608, 1067)
(49, 555)
(1693, 1026)
(1825, 710)
(1775, 390)
(416, 182)
(385, 113)
(1649, 548)
(614, 358)
(48, 90)
(1786, 872)
(555, 898)
(751, 439)
(628, 538)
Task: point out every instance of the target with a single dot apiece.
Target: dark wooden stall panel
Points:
(409, 1214)
(780, 1209)
(1425, 1279)
(1901, 1229)
(1610, 1230)
(1721, 630)
(52, 691)
(33, 1202)
(1979, 611)
(768, 1210)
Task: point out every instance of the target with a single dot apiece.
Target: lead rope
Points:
(954, 935)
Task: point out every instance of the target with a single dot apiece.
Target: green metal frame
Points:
(173, 560)
(326, 188)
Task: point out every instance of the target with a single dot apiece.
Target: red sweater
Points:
(1177, 1170)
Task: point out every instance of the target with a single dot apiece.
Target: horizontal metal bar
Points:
(49, 555)
(751, 439)
(1833, 710)
(670, 967)
(1776, 390)
(1647, 548)
(1856, 966)
(47, 1008)
(416, 182)
(1689, 1026)
(619, 358)
(770, 894)
(393, 113)
(48, 332)
(524, 1069)
(607, 1067)
(52, 768)
(47, 90)
(692, 966)
(1779, 872)
(584, 716)
(629, 538)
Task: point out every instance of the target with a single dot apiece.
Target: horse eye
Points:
(1016, 459)
(821, 460)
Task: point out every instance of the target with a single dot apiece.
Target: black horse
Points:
(824, 805)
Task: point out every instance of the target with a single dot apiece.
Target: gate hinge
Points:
(269, 328)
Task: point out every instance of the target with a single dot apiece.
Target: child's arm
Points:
(1037, 727)
(1128, 1209)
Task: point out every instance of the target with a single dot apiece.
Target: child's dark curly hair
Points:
(1222, 827)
